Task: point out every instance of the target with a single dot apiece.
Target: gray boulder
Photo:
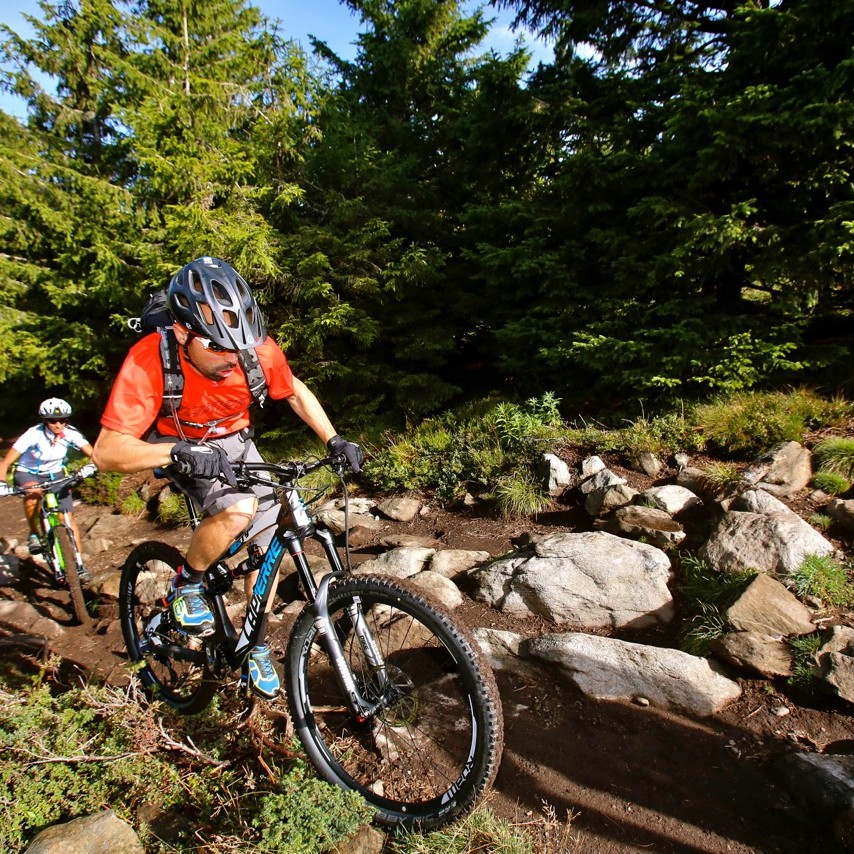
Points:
(610, 669)
(582, 580)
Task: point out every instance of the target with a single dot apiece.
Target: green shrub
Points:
(37, 730)
(804, 665)
(824, 577)
(101, 489)
(308, 815)
(480, 831)
(830, 482)
(481, 443)
(719, 476)
(133, 505)
(821, 521)
(172, 510)
(706, 594)
(835, 456)
(520, 495)
(749, 423)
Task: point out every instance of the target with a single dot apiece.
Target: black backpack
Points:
(156, 317)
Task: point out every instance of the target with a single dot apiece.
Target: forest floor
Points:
(631, 778)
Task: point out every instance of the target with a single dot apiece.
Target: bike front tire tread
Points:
(468, 682)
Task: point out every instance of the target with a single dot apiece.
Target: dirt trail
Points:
(632, 777)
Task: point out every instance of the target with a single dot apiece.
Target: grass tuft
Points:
(836, 456)
(824, 577)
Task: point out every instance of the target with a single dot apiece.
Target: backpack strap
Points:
(254, 374)
(173, 376)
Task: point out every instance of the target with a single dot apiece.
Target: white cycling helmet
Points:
(55, 407)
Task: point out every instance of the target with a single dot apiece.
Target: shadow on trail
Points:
(635, 777)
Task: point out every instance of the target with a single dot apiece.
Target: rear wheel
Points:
(175, 667)
(434, 745)
(64, 554)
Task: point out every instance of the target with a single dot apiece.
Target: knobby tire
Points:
(175, 666)
(426, 758)
(67, 562)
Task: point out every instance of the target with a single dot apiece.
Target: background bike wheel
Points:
(64, 555)
(176, 669)
(426, 758)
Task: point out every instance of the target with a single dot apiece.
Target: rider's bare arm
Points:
(308, 408)
(121, 452)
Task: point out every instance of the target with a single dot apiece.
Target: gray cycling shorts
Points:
(27, 480)
(213, 496)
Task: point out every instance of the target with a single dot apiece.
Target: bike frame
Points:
(291, 538)
(51, 518)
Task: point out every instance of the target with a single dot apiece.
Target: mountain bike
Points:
(387, 693)
(58, 544)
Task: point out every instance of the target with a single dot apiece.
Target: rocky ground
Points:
(630, 777)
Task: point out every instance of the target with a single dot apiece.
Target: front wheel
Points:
(175, 666)
(434, 747)
(65, 556)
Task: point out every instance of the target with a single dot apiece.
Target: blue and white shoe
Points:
(34, 544)
(190, 611)
(263, 679)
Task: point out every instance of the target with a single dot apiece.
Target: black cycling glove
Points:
(203, 461)
(351, 451)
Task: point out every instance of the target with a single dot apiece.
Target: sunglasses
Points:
(212, 346)
(56, 420)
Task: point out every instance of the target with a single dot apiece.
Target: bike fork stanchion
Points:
(361, 708)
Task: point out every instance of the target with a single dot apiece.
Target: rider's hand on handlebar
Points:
(88, 470)
(351, 451)
(203, 461)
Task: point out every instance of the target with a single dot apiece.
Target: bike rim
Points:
(174, 668)
(412, 759)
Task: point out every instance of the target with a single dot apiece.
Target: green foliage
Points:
(480, 443)
(749, 423)
(520, 496)
(76, 752)
(45, 776)
(821, 521)
(479, 831)
(824, 577)
(102, 488)
(308, 815)
(133, 505)
(720, 476)
(830, 482)
(172, 509)
(835, 456)
(804, 662)
(706, 594)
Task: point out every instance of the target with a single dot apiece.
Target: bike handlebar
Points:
(284, 474)
(53, 485)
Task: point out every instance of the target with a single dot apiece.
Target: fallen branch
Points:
(190, 748)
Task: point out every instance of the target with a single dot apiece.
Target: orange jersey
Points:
(221, 407)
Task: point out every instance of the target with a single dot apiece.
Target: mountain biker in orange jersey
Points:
(40, 454)
(216, 317)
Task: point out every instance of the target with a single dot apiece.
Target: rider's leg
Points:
(217, 532)
(211, 538)
(31, 511)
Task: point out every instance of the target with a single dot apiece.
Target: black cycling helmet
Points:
(210, 298)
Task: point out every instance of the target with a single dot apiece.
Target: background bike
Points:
(59, 546)
(388, 695)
